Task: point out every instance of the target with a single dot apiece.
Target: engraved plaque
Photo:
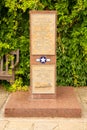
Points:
(43, 33)
(43, 79)
(43, 54)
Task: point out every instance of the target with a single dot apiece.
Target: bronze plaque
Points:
(43, 79)
(43, 33)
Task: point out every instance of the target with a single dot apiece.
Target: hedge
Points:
(71, 39)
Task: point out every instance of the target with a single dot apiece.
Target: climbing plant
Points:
(71, 38)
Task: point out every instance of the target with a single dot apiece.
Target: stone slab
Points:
(20, 104)
(43, 32)
(47, 126)
(3, 96)
(43, 79)
(19, 125)
(71, 125)
(3, 124)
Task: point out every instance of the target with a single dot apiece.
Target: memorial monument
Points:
(43, 53)
(44, 99)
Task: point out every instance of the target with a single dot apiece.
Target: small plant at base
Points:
(18, 86)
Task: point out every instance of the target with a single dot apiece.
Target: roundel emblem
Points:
(43, 59)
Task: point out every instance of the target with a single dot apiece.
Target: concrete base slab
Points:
(20, 104)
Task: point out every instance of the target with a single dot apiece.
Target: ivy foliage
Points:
(71, 36)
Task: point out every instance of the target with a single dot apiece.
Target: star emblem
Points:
(43, 59)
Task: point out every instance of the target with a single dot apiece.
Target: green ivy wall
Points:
(71, 36)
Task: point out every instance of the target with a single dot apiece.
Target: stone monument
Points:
(44, 99)
(43, 53)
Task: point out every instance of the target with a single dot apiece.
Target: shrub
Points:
(71, 36)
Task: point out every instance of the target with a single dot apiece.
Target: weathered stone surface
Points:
(3, 96)
(45, 126)
(43, 32)
(43, 46)
(85, 125)
(20, 125)
(71, 125)
(61, 122)
(65, 105)
(43, 79)
(82, 94)
(3, 124)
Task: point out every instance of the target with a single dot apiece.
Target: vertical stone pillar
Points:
(43, 54)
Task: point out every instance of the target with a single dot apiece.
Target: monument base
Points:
(65, 105)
